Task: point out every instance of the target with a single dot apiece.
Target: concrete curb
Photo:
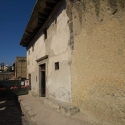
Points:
(26, 109)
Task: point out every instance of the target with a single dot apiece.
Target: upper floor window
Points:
(57, 66)
(55, 21)
(45, 34)
(32, 48)
(28, 52)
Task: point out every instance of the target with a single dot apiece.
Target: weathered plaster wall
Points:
(20, 67)
(98, 63)
(58, 82)
(32, 66)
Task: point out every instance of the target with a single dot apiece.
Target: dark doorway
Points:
(43, 80)
(29, 81)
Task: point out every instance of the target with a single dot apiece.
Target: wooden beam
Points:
(42, 15)
(47, 10)
(50, 5)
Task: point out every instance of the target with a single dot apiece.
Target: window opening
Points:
(32, 48)
(56, 21)
(29, 52)
(45, 34)
(57, 66)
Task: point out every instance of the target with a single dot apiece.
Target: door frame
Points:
(40, 81)
(40, 61)
(29, 77)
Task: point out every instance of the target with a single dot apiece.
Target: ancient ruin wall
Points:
(98, 63)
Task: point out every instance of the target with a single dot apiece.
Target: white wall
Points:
(58, 82)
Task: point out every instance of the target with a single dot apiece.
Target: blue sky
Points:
(14, 17)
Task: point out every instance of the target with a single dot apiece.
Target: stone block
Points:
(63, 107)
(55, 106)
(23, 103)
(27, 108)
(39, 123)
(31, 113)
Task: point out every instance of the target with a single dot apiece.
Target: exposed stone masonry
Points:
(98, 68)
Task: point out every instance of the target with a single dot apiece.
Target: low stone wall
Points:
(6, 76)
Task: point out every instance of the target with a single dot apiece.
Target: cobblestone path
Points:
(10, 112)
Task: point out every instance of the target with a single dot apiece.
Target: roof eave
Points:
(40, 13)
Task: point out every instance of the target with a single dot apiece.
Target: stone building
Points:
(76, 53)
(20, 67)
(48, 53)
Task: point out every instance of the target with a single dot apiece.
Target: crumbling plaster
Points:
(58, 82)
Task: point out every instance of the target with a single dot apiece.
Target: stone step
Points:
(63, 107)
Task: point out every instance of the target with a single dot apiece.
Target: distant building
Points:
(20, 67)
(4, 68)
(1, 67)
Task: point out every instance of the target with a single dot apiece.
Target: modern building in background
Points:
(6, 72)
(2, 67)
(76, 53)
(5, 68)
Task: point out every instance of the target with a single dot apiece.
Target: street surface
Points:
(10, 112)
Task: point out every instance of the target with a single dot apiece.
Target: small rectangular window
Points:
(45, 34)
(56, 21)
(57, 66)
(32, 48)
(29, 52)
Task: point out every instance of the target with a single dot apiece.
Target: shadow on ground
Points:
(10, 111)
